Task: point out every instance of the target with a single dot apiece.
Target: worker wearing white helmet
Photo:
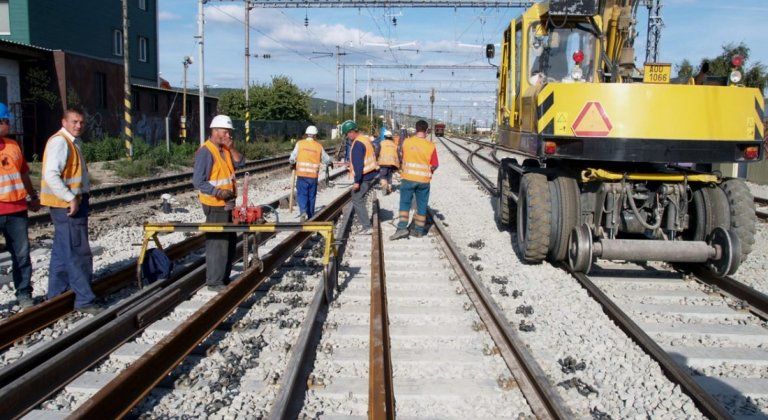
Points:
(388, 162)
(214, 178)
(307, 156)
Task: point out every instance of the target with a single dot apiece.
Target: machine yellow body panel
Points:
(650, 111)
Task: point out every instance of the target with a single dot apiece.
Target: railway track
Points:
(414, 334)
(139, 341)
(106, 198)
(23, 326)
(707, 334)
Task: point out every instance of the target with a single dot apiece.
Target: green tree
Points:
(685, 69)
(281, 99)
(362, 105)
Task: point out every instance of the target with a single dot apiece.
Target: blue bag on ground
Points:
(156, 266)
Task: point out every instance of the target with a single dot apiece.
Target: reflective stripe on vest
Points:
(72, 175)
(11, 186)
(417, 156)
(369, 163)
(222, 175)
(308, 158)
(388, 154)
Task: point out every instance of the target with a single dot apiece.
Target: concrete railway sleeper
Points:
(713, 348)
(123, 391)
(450, 352)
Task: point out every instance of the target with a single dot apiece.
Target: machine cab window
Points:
(564, 55)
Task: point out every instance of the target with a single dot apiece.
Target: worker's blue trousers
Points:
(306, 191)
(71, 259)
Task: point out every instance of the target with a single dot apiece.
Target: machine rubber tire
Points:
(742, 209)
(711, 211)
(534, 216)
(504, 205)
(565, 215)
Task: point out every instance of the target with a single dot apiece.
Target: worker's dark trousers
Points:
(15, 229)
(220, 248)
(306, 191)
(358, 202)
(71, 265)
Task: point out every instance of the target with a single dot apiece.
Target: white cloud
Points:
(167, 16)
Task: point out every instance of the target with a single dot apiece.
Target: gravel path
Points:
(617, 377)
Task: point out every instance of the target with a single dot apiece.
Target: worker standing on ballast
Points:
(365, 171)
(419, 161)
(214, 178)
(388, 162)
(307, 156)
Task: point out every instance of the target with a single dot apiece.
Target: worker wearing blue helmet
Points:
(16, 196)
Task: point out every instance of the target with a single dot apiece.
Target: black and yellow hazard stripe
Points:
(760, 117)
(545, 105)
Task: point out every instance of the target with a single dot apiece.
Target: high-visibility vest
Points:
(309, 158)
(222, 175)
(369, 163)
(11, 159)
(417, 155)
(72, 175)
(388, 154)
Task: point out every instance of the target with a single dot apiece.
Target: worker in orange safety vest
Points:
(16, 196)
(388, 162)
(419, 161)
(308, 155)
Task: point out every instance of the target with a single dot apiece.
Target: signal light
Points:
(751, 153)
(578, 57)
(550, 147)
(737, 60)
(735, 77)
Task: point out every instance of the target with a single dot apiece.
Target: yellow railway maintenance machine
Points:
(617, 159)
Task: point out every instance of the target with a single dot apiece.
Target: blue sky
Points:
(693, 29)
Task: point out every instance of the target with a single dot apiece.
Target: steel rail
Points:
(757, 301)
(544, 401)
(676, 373)
(482, 180)
(294, 379)
(381, 395)
(121, 394)
(24, 323)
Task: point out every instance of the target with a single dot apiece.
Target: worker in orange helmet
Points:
(419, 161)
(388, 162)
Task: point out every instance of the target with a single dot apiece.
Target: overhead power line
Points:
(294, 4)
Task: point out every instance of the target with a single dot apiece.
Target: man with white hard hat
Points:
(214, 178)
(307, 157)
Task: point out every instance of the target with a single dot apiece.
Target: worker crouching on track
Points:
(388, 162)
(419, 161)
(214, 178)
(307, 156)
(365, 171)
(16, 195)
(64, 189)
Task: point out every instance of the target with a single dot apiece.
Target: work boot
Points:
(417, 233)
(216, 287)
(25, 301)
(92, 309)
(303, 217)
(399, 234)
(364, 232)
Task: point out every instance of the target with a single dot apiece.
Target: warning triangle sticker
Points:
(592, 121)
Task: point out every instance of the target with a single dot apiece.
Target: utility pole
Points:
(248, 8)
(187, 62)
(128, 131)
(354, 95)
(655, 24)
(432, 115)
(338, 68)
(343, 92)
(201, 63)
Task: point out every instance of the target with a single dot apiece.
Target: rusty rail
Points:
(381, 396)
(119, 396)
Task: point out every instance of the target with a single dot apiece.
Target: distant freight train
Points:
(440, 129)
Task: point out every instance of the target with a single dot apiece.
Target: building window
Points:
(3, 90)
(143, 4)
(155, 102)
(5, 18)
(137, 101)
(142, 49)
(101, 90)
(117, 42)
